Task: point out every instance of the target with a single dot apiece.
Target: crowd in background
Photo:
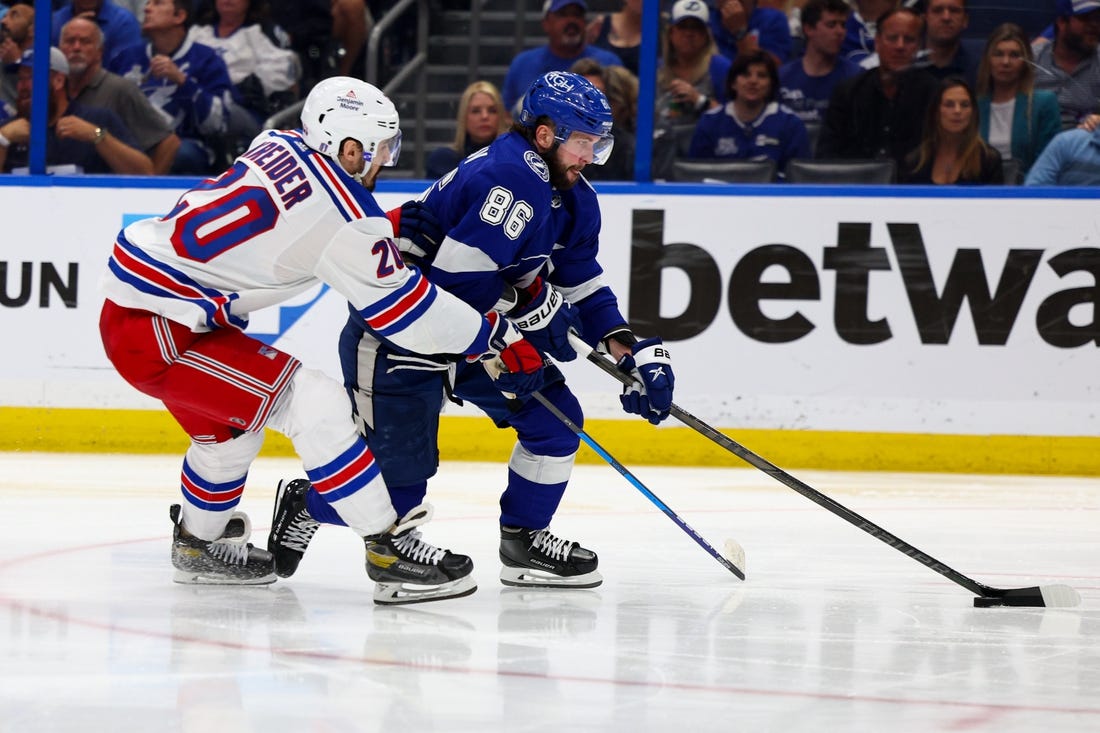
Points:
(179, 87)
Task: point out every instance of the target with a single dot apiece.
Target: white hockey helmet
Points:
(341, 107)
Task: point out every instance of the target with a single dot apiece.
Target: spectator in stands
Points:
(16, 38)
(120, 28)
(880, 112)
(752, 125)
(620, 33)
(481, 118)
(93, 140)
(805, 84)
(263, 69)
(1071, 159)
(188, 82)
(564, 24)
(621, 89)
(1070, 66)
(1015, 118)
(951, 150)
(91, 85)
(947, 52)
(859, 37)
(739, 26)
(692, 75)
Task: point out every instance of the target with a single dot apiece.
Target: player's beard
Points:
(559, 177)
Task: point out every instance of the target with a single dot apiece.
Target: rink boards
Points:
(874, 328)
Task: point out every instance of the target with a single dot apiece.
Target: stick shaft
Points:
(802, 488)
(591, 443)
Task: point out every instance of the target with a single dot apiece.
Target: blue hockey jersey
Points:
(195, 108)
(506, 225)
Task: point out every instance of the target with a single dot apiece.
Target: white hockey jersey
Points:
(280, 219)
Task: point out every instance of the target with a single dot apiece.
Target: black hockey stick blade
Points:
(1052, 596)
(1044, 596)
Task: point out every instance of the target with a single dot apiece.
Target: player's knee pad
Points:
(315, 413)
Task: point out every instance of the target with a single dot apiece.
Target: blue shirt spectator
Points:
(120, 27)
(805, 84)
(188, 82)
(750, 28)
(752, 125)
(564, 24)
(1071, 159)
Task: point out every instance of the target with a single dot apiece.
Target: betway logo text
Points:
(935, 308)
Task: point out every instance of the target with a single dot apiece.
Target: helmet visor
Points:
(593, 149)
(389, 150)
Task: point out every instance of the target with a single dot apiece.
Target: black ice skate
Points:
(228, 560)
(409, 570)
(535, 557)
(291, 526)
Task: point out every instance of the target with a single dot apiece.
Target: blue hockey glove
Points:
(546, 319)
(514, 365)
(651, 367)
(416, 229)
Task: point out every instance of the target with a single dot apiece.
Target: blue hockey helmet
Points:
(574, 105)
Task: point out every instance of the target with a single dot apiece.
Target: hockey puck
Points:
(987, 602)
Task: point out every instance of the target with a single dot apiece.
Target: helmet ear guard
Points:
(573, 104)
(341, 107)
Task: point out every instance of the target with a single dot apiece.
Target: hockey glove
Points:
(522, 363)
(416, 229)
(651, 367)
(546, 319)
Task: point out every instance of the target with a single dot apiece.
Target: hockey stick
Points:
(1054, 596)
(734, 563)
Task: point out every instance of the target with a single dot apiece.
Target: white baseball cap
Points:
(684, 9)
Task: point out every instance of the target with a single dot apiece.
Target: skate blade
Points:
(399, 594)
(186, 577)
(531, 578)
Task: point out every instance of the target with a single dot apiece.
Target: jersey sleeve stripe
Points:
(393, 313)
(148, 275)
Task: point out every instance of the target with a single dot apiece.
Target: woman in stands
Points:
(752, 125)
(1014, 117)
(951, 150)
(481, 117)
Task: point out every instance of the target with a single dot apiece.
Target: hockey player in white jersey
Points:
(288, 213)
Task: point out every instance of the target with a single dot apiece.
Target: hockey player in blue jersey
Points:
(521, 228)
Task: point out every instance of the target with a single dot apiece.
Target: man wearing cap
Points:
(1069, 66)
(93, 139)
(565, 27)
(91, 85)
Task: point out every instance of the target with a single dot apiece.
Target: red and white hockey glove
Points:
(522, 362)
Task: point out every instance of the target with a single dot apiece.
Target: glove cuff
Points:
(394, 215)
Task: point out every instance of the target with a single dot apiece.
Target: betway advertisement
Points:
(926, 313)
